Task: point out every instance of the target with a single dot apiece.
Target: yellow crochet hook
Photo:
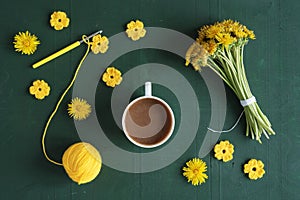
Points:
(62, 51)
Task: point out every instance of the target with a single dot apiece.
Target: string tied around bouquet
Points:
(81, 161)
(244, 103)
(248, 102)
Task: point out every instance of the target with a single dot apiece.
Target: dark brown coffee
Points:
(148, 121)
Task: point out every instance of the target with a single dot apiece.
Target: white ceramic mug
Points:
(148, 121)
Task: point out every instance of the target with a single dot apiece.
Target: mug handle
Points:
(148, 89)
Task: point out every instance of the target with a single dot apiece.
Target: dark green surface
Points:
(272, 69)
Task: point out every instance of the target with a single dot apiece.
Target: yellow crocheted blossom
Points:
(59, 20)
(224, 151)
(79, 109)
(26, 43)
(255, 169)
(135, 30)
(40, 89)
(194, 171)
(99, 44)
(112, 77)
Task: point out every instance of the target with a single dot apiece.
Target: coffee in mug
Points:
(148, 121)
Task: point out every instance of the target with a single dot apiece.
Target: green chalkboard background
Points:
(272, 69)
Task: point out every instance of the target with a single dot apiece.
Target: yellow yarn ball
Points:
(82, 162)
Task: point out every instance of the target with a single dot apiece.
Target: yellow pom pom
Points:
(82, 162)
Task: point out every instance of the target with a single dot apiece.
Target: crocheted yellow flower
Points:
(40, 89)
(26, 43)
(135, 30)
(255, 169)
(224, 151)
(99, 44)
(194, 171)
(59, 20)
(112, 77)
(79, 109)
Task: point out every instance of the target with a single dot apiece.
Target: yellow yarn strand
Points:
(61, 99)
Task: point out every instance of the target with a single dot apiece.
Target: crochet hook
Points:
(63, 51)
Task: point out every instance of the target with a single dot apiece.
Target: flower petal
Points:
(32, 90)
(260, 172)
(253, 176)
(139, 24)
(260, 164)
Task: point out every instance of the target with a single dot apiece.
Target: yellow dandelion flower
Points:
(99, 44)
(26, 43)
(194, 171)
(196, 65)
(225, 39)
(240, 33)
(197, 56)
(255, 169)
(202, 33)
(210, 46)
(59, 20)
(112, 77)
(201, 36)
(227, 22)
(188, 54)
(79, 109)
(40, 89)
(213, 31)
(230, 26)
(224, 150)
(250, 33)
(222, 34)
(135, 30)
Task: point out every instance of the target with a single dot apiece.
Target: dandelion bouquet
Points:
(220, 47)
